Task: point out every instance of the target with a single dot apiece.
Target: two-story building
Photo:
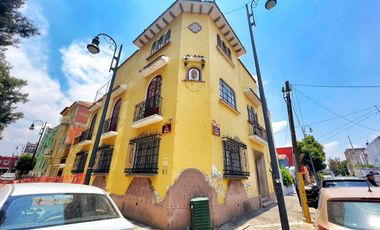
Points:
(184, 121)
(44, 151)
(73, 122)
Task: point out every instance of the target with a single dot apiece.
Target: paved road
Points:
(268, 218)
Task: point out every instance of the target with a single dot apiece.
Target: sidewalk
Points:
(268, 218)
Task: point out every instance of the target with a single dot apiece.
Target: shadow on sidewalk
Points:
(244, 219)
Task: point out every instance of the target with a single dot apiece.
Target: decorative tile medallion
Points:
(195, 27)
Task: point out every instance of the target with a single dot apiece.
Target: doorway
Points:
(261, 174)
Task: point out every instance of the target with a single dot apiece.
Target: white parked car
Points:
(7, 177)
(348, 208)
(58, 206)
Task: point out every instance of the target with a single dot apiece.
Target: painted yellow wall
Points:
(190, 107)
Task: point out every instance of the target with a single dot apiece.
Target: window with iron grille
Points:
(103, 159)
(80, 162)
(235, 159)
(143, 154)
(227, 94)
(252, 116)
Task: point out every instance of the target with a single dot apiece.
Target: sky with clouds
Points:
(314, 42)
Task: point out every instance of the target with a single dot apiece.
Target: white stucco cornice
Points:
(197, 7)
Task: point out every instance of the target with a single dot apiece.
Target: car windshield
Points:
(363, 215)
(35, 211)
(344, 183)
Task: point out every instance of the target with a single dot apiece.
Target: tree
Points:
(287, 179)
(310, 146)
(10, 95)
(12, 24)
(25, 164)
(338, 167)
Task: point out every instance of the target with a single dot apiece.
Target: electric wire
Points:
(336, 132)
(338, 86)
(345, 115)
(336, 114)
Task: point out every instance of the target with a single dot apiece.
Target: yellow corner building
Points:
(184, 121)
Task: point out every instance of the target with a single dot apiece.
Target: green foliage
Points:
(10, 95)
(365, 166)
(24, 163)
(338, 167)
(13, 24)
(286, 177)
(310, 146)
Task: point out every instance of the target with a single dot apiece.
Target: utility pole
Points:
(352, 153)
(301, 184)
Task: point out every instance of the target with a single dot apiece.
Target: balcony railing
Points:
(110, 125)
(143, 155)
(235, 158)
(103, 159)
(259, 131)
(85, 135)
(147, 108)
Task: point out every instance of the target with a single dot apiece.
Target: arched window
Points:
(160, 42)
(193, 74)
(154, 47)
(229, 53)
(167, 36)
(153, 97)
(92, 125)
(224, 48)
(115, 116)
(219, 41)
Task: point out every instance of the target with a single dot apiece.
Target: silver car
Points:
(58, 206)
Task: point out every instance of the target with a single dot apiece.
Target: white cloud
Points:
(279, 126)
(84, 72)
(332, 150)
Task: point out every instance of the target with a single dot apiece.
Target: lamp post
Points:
(42, 130)
(272, 151)
(310, 159)
(94, 49)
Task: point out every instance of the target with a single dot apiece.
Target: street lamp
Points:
(272, 151)
(42, 130)
(93, 48)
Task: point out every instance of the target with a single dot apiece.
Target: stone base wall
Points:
(142, 203)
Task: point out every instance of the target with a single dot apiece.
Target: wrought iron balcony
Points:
(103, 159)
(147, 108)
(143, 155)
(110, 125)
(84, 136)
(259, 131)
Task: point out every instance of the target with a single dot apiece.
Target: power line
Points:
(338, 115)
(345, 115)
(338, 86)
(326, 137)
